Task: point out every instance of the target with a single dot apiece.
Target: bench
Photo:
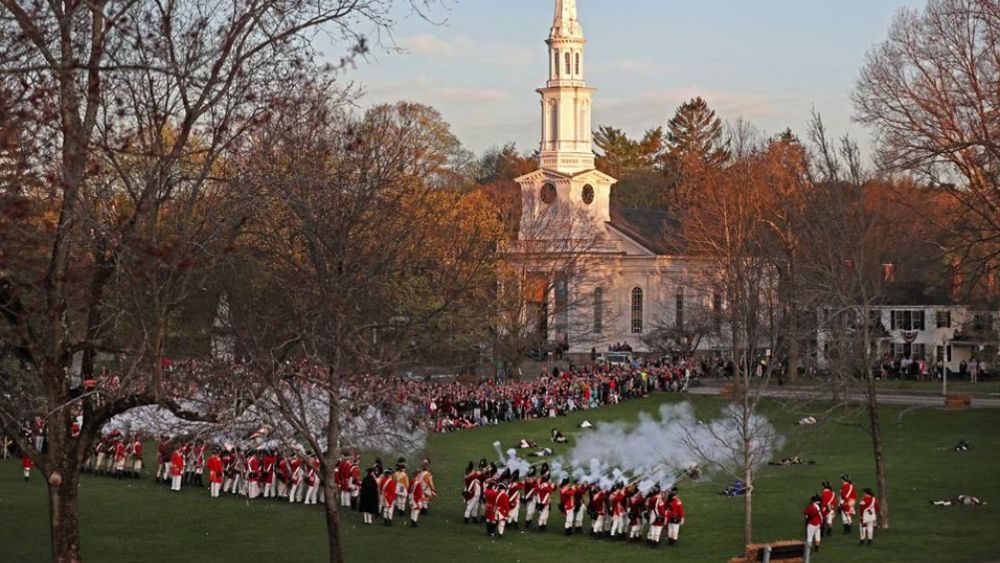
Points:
(788, 551)
(955, 402)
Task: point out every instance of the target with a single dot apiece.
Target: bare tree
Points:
(363, 257)
(929, 92)
(130, 109)
(849, 240)
(726, 227)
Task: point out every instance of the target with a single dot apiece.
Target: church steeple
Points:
(566, 22)
(566, 100)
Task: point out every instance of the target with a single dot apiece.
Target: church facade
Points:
(602, 276)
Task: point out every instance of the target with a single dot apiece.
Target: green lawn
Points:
(139, 521)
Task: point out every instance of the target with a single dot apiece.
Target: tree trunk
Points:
(880, 474)
(64, 514)
(333, 521)
(332, 447)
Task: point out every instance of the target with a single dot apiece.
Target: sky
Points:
(771, 62)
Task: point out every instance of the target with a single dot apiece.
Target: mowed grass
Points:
(141, 521)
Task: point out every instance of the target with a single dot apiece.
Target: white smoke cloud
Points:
(658, 450)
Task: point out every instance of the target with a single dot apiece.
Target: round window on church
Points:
(548, 193)
(588, 194)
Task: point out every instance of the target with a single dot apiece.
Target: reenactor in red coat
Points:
(417, 497)
(676, 517)
(657, 518)
(490, 494)
(543, 500)
(387, 486)
(828, 504)
(529, 497)
(137, 456)
(472, 494)
(342, 474)
(581, 507)
(176, 469)
(869, 514)
(503, 509)
(514, 496)
(214, 474)
(26, 465)
(567, 504)
(636, 504)
(814, 522)
(848, 498)
(619, 511)
(599, 510)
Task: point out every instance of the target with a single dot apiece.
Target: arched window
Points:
(578, 64)
(598, 310)
(549, 193)
(569, 65)
(637, 311)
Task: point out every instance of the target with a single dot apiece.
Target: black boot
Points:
(541, 528)
(413, 523)
(861, 542)
(869, 542)
(466, 521)
(569, 531)
(579, 529)
(816, 548)
(847, 528)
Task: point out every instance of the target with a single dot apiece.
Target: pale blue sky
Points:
(769, 61)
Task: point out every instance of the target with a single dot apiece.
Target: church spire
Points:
(566, 100)
(566, 23)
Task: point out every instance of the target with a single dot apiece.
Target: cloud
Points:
(471, 94)
(466, 48)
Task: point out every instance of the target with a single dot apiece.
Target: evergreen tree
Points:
(695, 135)
(619, 154)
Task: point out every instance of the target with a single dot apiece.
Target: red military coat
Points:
(388, 491)
(214, 469)
(177, 463)
(813, 514)
(566, 498)
(848, 497)
(490, 498)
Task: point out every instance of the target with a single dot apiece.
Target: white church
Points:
(598, 276)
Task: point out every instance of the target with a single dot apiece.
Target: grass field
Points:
(142, 522)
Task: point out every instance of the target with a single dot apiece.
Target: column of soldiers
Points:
(617, 511)
(116, 455)
(266, 473)
(819, 513)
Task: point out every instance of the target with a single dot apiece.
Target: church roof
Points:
(656, 230)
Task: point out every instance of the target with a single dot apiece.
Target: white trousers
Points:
(175, 484)
(867, 528)
(597, 526)
(311, 494)
(294, 492)
(213, 489)
(569, 519)
(269, 489)
(501, 525)
(543, 516)
(673, 530)
(654, 533)
(579, 516)
(472, 507)
(515, 514)
(813, 534)
(529, 509)
(345, 498)
(617, 525)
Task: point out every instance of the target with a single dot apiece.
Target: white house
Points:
(947, 333)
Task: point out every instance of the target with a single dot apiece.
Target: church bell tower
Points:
(567, 185)
(566, 100)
